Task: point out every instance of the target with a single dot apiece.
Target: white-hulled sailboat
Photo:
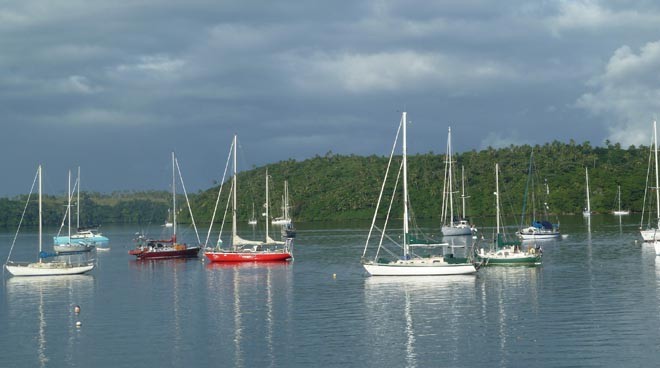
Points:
(620, 212)
(409, 263)
(41, 267)
(649, 234)
(452, 226)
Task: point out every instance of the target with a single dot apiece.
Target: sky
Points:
(115, 86)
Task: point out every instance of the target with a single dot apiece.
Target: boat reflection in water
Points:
(256, 300)
(162, 264)
(46, 298)
(406, 312)
(499, 315)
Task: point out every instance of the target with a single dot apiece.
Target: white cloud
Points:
(596, 15)
(98, 116)
(155, 64)
(9, 18)
(78, 84)
(390, 71)
(627, 94)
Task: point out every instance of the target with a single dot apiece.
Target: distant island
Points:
(345, 187)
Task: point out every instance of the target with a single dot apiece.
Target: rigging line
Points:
(445, 192)
(392, 240)
(22, 217)
(646, 187)
(217, 200)
(529, 175)
(251, 189)
(183, 186)
(389, 211)
(224, 216)
(382, 188)
(66, 213)
(243, 162)
(504, 197)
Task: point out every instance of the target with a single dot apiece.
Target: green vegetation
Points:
(346, 187)
(118, 208)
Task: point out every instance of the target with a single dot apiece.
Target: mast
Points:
(286, 200)
(405, 189)
(173, 202)
(267, 199)
(68, 206)
(463, 196)
(451, 179)
(234, 201)
(657, 190)
(497, 196)
(40, 214)
(78, 202)
(586, 174)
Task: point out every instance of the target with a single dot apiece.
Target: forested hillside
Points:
(344, 187)
(340, 187)
(115, 208)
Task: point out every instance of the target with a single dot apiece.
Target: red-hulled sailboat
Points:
(167, 248)
(243, 250)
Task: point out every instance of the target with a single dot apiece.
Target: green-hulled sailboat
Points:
(507, 252)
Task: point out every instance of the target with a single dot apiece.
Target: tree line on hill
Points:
(346, 187)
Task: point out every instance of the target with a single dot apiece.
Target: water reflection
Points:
(160, 264)
(506, 295)
(406, 312)
(588, 220)
(253, 298)
(43, 297)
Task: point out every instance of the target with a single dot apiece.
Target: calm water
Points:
(595, 302)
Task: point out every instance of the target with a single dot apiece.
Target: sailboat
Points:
(288, 230)
(539, 229)
(168, 223)
(252, 220)
(507, 252)
(649, 234)
(70, 246)
(409, 263)
(620, 212)
(285, 219)
(41, 267)
(165, 248)
(243, 250)
(587, 210)
(88, 234)
(452, 226)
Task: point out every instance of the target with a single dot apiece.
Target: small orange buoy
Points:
(76, 309)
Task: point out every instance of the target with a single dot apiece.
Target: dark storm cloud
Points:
(115, 86)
